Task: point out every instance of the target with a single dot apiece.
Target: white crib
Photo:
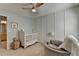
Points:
(27, 39)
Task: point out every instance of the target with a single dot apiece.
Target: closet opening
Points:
(3, 32)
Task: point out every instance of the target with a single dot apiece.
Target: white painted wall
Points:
(48, 25)
(44, 25)
(59, 25)
(63, 23)
(72, 22)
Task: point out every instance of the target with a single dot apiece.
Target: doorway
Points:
(3, 32)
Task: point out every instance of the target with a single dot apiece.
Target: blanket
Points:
(71, 44)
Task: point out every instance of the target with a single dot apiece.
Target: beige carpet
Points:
(34, 50)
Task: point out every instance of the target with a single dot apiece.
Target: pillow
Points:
(56, 42)
(53, 46)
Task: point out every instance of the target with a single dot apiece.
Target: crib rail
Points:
(31, 36)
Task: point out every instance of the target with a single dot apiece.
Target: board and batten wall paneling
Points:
(59, 25)
(38, 28)
(44, 25)
(44, 28)
(51, 23)
(72, 22)
(62, 23)
(51, 26)
(48, 25)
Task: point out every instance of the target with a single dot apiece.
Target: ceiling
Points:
(43, 10)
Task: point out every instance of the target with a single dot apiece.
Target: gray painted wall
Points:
(23, 23)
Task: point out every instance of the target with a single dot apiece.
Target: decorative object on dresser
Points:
(14, 25)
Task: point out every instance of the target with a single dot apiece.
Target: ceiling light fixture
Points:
(33, 10)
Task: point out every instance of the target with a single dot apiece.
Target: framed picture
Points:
(14, 25)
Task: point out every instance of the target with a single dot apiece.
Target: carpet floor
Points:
(34, 50)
